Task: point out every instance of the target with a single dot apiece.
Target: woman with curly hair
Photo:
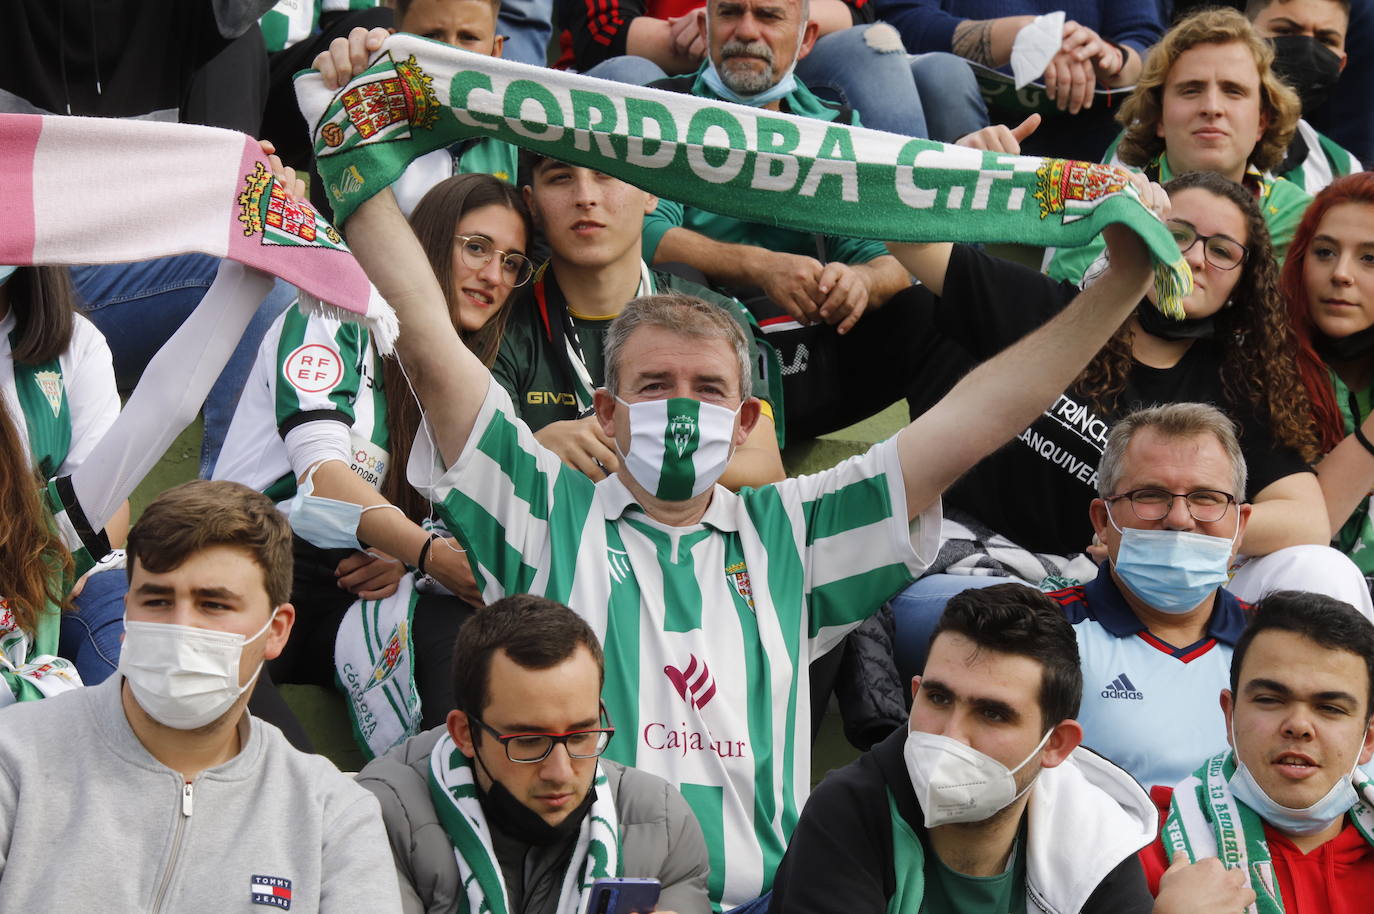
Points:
(1328, 284)
(1024, 510)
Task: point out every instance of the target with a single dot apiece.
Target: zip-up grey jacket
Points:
(659, 835)
(90, 821)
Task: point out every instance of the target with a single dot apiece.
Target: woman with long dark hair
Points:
(1027, 505)
(325, 426)
(59, 388)
(1328, 284)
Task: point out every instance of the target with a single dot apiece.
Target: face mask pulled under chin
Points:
(679, 447)
(517, 820)
(184, 677)
(1337, 801)
(955, 782)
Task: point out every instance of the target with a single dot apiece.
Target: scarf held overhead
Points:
(76, 190)
(746, 163)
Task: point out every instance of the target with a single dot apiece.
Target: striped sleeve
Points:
(87, 545)
(511, 502)
(318, 373)
(858, 548)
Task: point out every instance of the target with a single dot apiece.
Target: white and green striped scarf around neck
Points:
(746, 163)
(1206, 820)
(451, 787)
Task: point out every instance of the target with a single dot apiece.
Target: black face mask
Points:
(1307, 65)
(1343, 349)
(505, 812)
(1153, 322)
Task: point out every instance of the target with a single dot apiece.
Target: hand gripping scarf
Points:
(1206, 820)
(748, 163)
(77, 190)
(451, 787)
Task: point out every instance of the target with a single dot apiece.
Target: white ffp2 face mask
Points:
(955, 782)
(184, 677)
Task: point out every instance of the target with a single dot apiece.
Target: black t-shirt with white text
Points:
(1036, 489)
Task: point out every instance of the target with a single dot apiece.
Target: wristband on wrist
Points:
(424, 553)
(1364, 441)
(1121, 48)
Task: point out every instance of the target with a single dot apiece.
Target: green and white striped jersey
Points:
(308, 368)
(291, 21)
(1325, 161)
(708, 629)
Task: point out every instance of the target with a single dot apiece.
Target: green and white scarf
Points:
(1206, 820)
(746, 163)
(451, 787)
(374, 664)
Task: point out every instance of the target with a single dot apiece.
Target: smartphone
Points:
(623, 895)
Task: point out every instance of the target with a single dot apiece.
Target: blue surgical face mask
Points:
(786, 84)
(5, 273)
(1308, 821)
(1171, 570)
(326, 522)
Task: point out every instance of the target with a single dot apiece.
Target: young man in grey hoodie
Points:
(156, 790)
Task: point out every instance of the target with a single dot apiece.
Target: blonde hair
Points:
(1143, 111)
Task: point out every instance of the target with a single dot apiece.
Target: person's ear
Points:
(1242, 520)
(279, 631)
(460, 730)
(604, 404)
(650, 203)
(498, 45)
(1066, 736)
(528, 192)
(810, 33)
(1228, 709)
(1097, 514)
(1367, 750)
(749, 412)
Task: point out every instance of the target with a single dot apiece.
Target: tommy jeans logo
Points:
(694, 685)
(1122, 687)
(273, 891)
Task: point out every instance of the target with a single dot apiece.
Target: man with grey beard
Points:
(807, 291)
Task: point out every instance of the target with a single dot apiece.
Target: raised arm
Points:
(450, 381)
(1004, 395)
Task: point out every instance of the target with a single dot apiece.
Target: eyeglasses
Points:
(478, 250)
(1205, 505)
(1221, 251)
(528, 748)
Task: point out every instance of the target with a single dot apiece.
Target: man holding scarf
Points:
(507, 807)
(1287, 804)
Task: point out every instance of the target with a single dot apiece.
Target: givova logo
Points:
(1122, 687)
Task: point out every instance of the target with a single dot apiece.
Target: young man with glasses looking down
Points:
(509, 799)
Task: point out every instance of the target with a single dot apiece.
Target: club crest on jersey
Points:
(273, 891)
(50, 384)
(1075, 188)
(695, 685)
(619, 561)
(682, 430)
(738, 577)
(391, 656)
(7, 622)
